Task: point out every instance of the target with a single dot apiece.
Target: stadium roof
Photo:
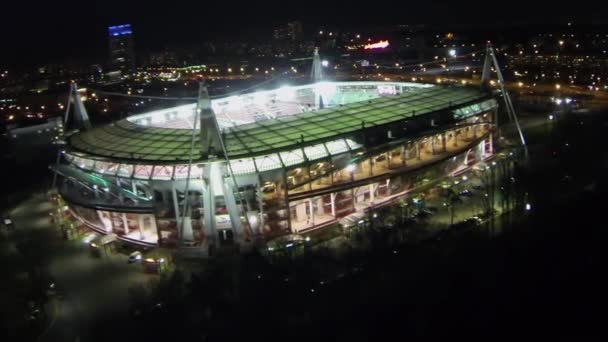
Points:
(124, 140)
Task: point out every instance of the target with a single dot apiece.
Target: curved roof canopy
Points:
(130, 142)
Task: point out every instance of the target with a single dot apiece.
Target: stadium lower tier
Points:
(270, 203)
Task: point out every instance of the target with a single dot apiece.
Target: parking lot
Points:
(91, 286)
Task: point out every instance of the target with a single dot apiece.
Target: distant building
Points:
(122, 54)
(95, 73)
(279, 33)
(292, 31)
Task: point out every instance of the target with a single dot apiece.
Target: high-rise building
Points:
(122, 54)
(292, 31)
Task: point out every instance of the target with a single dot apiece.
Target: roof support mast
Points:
(216, 164)
(81, 117)
(489, 62)
(316, 74)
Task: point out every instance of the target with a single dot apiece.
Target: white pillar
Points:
(320, 210)
(233, 209)
(332, 198)
(491, 138)
(301, 211)
(209, 208)
(261, 204)
(125, 223)
(175, 203)
(187, 234)
(371, 192)
(140, 223)
(311, 211)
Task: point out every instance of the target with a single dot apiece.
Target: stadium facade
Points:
(238, 169)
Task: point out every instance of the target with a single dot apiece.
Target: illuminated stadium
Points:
(256, 166)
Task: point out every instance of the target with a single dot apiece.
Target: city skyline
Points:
(79, 30)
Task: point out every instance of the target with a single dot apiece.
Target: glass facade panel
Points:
(163, 172)
(293, 157)
(125, 170)
(315, 152)
(143, 171)
(181, 171)
(242, 166)
(268, 162)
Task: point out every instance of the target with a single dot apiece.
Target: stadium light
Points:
(452, 53)
(325, 63)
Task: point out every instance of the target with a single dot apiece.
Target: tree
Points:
(450, 199)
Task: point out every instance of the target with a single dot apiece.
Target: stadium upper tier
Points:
(284, 119)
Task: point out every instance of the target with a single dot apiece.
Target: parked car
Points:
(53, 290)
(7, 222)
(424, 213)
(89, 237)
(466, 193)
(33, 312)
(135, 257)
(429, 210)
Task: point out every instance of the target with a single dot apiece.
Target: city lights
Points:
(378, 45)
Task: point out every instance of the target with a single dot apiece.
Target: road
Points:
(94, 288)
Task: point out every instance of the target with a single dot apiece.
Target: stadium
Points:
(239, 169)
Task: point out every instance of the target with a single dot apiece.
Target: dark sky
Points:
(53, 30)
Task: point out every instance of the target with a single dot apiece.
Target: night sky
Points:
(50, 31)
